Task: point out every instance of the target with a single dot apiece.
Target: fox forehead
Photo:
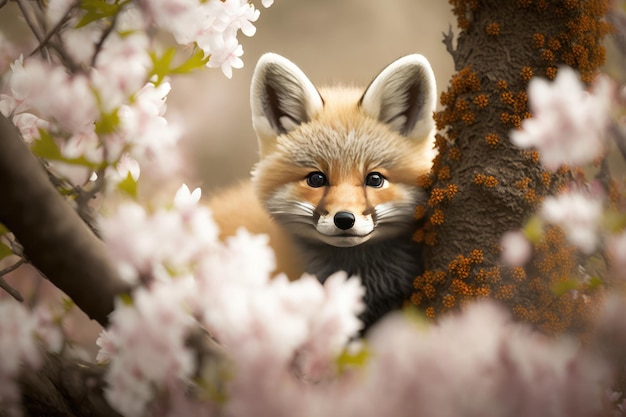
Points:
(342, 137)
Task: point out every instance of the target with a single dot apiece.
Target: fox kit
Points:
(335, 187)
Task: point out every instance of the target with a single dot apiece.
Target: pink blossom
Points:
(29, 126)
(475, 363)
(577, 214)
(516, 249)
(568, 123)
(20, 331)
(121, 69)
(160, 244)
(145, 345)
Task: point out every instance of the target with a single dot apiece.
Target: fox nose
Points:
(344, 220)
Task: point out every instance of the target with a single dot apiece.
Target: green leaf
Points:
(563, 287)
(533, 230)
(45, 147)
(347, 359)
(614, 221)
(3, 229)
(67, 304)
(196, 61)
(5, 251)
(108, 123)
(595, 283)
(129, 186)
(126, 299)
(161, 65)
(96, 10)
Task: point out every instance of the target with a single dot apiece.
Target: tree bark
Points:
(54, 237)
(481, 185)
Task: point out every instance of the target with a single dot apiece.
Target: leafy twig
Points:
(5, 285)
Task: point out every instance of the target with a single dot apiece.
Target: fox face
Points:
(339, 165)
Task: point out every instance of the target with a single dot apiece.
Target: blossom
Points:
(20, 330)
(160, 244)
(568, 123)
(516, 249)
(577, 214)
(212, 25)
(475, 363)
(145, 346)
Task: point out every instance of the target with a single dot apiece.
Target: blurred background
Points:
(346, 42)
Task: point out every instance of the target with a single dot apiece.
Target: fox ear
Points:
(403, 95)
(281, 98)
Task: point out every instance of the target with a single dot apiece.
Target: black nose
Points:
(344, 220)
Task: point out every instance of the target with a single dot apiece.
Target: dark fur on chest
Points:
(387, 270)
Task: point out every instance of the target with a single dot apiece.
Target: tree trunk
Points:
(481, 185)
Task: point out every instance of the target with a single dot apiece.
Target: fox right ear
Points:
(404, 96)
(281, 98)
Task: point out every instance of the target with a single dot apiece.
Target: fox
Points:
(335, 187)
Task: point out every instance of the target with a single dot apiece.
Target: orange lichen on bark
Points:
(444, 173)
(424, 181)
(460, 267)
(493, 29)
(437, 217)
(454, 154)
(487, 101)
(492, 139)
(488, 181)
(527, 73)
(448, 301)
(519, 274)
(481, 101)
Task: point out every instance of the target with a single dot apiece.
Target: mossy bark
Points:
(481, 185)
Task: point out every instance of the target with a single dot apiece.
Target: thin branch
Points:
(5, 285)
(448, 38)
(103, 38)
(54, 30)
(29, 21)
(54, 237)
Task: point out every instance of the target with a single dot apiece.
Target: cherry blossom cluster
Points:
(23, 336)
(570, 126)
(119, 77)
(212, 25)
(269, 327)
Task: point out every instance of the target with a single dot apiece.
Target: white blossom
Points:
(516, 249)
(568, 123)
(577, 214)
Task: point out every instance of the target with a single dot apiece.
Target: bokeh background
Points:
(345, 42)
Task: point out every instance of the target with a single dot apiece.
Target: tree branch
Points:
(55, 239)
(66, 388)
(5, 285)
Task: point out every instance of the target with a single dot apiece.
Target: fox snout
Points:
(344, 220)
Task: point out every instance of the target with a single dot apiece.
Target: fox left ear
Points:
(281, 98)
(404, 96)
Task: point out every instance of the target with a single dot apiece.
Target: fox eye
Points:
(374, 179)
(316, 179)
